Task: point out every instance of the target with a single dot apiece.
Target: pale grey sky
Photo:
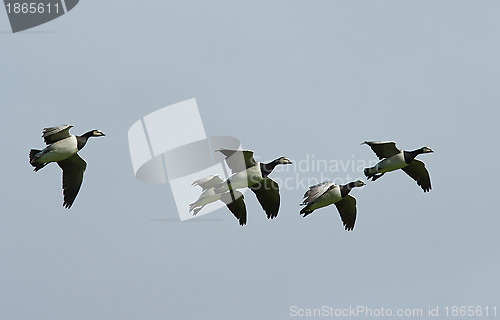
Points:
(300, 79)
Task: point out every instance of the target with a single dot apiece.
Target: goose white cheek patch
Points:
(170, 145)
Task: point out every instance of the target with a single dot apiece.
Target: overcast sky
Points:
(309, 80)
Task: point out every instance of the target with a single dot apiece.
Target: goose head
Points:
(359, 183)
(426, 150)
(97, 133)
(283, 160)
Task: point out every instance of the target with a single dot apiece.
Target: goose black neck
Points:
(346, 188)
(267, 168)
(82, 140)
(410, 155)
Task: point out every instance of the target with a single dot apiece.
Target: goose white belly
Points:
(59, 150)
(392, 163)
(244, 179)
(327, 199)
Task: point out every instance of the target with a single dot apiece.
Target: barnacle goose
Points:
(394, 159)
(233, 198)
(62, 148)
(326, 193)
(255, 175)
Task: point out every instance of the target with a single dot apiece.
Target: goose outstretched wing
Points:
(53, 134)
(383, 149)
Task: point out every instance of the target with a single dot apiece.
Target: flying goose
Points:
(255, 175)
(233, 199)
(62, 148)
(394, 159)
(326, 193)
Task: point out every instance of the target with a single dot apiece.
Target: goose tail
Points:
(371, 173)
(34, 157)
(195, 208)
(306, 211)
